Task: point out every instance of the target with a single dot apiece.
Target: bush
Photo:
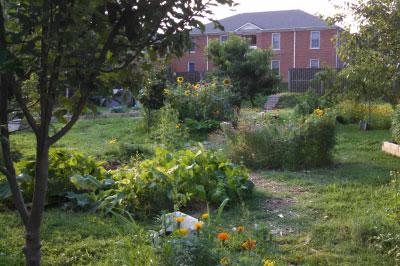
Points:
(171, 180)
(396, 125)
(353, 112)
(288, 100)
(309, 103)
(202, 101)
(294, 144)
(62, 165)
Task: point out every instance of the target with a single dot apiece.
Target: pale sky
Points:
(314, 7)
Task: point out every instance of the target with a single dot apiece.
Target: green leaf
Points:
(87, 182)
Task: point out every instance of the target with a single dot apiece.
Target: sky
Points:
(314, 7)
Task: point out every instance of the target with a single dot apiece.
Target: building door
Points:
(192, 67)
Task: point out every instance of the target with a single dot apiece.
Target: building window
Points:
(223, 38)
(191, 67)
(192, 48)
(315, 40)
(276, 67)
(314, 63)
(252, 39)
(276, 41)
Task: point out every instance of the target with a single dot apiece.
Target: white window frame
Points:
(272, 41)
(279, 66)
(314, 59)
(188, 66)
(319, 39)
(220, 38)
(193, 42)
(250, 45)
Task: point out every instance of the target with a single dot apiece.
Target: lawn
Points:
(317, 217)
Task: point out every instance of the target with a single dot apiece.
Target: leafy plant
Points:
(396, 125)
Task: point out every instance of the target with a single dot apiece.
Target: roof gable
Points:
(248, 27)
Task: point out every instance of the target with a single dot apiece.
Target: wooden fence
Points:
(304, 79)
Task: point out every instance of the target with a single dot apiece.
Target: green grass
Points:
(334, 210)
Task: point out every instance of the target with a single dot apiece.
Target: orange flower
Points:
(198, 225)
(249, 244)
(179, 219)
(223, 236)
(240, 229)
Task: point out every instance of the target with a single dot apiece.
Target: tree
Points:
(69, 44)
(372, 54)
(249, 69)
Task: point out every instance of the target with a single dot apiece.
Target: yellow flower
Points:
(223, 236)
(183, 231)
(249, 244)
(187, 93)
(112, 141)
(179, 219)
(196, 87)
(205, 216)
(318, 112)
(178, 126)
(167, 92)
(268, 262)
(197, 94)
(198, 225)
(240, 229)
(225, 261)
(226, 82)
(179, 80)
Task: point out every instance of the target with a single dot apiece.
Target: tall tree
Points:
(372, 53)
(69, 44)
(249, 69)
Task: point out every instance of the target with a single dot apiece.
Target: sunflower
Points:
(226, 82)
(187, 93)
(180, 80)
(166, 92)
(196, 87)
(268, 262)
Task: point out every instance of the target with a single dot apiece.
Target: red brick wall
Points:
(326, 54)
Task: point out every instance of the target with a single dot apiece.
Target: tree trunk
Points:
(32, 240)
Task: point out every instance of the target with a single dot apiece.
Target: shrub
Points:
(172, 180)
(353, 112)
(294, 144)
(396, 125)
(288, 100)
(309, 103)
(62, 165)
(202, 101)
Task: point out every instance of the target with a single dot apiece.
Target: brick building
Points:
(298, 40)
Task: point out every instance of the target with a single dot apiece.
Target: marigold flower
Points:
(318, 112)
(205, 216)
(226, 82)
(183, 231)
(223, 236)
(240, 229)
(225, 261)
(166, 92)
(187, 93)
(179, 219)
(198, 225)
(112, 141)
(268, 262)
(179, 80)
(249, 244)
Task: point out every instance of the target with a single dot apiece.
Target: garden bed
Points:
(391, 148)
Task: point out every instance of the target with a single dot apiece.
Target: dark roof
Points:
(269, 21)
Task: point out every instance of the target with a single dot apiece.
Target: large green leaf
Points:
(86, 182)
